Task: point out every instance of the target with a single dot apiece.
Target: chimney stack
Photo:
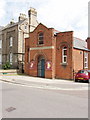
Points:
(32, 13)
(88, 42)
(12, 21)
(22, 17)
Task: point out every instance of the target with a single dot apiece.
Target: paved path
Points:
(56, 84)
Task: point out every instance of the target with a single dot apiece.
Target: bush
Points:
(6, 66)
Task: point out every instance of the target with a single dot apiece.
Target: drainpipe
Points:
(29, 14)
(22, 46)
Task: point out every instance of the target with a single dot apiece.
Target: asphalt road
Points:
(25, 102)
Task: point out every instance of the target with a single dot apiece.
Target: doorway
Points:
(41, 66)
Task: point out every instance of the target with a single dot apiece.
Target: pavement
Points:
(55, 84)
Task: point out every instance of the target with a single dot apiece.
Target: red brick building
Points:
(53, 54)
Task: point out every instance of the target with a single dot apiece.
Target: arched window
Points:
(40, 38)
(64, 55)
(11, 41)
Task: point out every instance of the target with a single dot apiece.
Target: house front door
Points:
(41, 67)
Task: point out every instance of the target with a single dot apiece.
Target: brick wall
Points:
(46, 50)
(78, 58)
(64, 71)
(88, 45)
(51, 50)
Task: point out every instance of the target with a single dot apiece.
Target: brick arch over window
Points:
(40, 54)
(63, 44)
(64, 48)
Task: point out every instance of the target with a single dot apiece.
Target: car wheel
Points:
(76, 80)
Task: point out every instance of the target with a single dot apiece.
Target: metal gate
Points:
(41, 67)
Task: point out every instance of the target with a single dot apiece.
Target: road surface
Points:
(27, 102)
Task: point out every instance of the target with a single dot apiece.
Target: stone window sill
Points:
(40, 44)
(64, 64)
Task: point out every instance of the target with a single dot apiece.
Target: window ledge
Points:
(40, 44)
(63, 64)
(85, 67)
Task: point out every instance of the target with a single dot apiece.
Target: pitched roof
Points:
(1, 27)
(79, 44)
(56, 31)
(14, 24)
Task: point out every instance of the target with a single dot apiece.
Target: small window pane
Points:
(85, 59)
(25, 27)
(40, 42)
(65, 47)
(10, 59)
(65, 59)
(65, 52)
(40, 39)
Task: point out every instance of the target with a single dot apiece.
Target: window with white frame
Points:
(85, 60)
(64, 55)
(11, 41)
(40, 38)
(0, 43)
(10, 57)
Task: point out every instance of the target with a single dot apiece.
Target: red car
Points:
(83, 75)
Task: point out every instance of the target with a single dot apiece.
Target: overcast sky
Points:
(63, 15)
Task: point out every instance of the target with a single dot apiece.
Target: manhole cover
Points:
(13, 79)
(10, 109)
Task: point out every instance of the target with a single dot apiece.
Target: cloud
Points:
(63, 15)
(2, 9)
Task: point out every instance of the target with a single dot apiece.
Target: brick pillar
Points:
(88, 46)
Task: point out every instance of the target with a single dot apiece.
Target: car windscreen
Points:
(89, 71)
(83, 71)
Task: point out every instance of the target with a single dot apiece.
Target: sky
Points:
(63, 15)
